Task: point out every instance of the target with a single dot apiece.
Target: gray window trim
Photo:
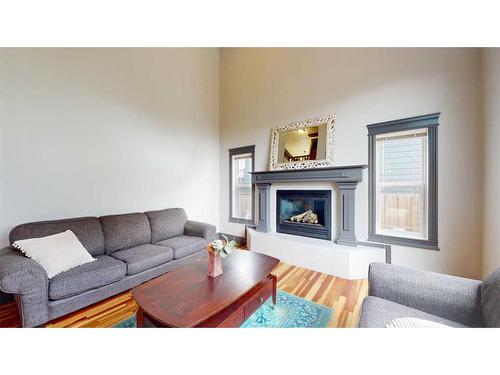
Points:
(431, 123)
(238, 151)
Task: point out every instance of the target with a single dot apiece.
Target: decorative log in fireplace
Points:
(305, 217)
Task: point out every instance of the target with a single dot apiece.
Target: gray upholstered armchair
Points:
(399, 292)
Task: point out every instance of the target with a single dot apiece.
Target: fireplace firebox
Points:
(304, 213)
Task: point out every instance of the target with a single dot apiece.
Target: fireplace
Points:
(304, 213)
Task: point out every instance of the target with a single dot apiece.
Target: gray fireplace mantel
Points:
(346, 178)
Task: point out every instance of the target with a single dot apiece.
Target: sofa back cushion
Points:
(125, 231)
(166, 223)
(490, 299)
(88, 230)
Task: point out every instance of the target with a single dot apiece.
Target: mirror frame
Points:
(329, 120)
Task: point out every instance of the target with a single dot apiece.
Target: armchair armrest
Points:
(25, 278)
(199, 229)
(450, 297)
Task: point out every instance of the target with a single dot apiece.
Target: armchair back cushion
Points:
(450, 297)
(490, 299)
(166, 223)
(125, 231)
(87, 229)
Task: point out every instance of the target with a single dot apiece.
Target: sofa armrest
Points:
(450, 297)
(199, 229)
(25, 278)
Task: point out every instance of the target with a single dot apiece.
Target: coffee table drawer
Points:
(235, 320)
(258, 299)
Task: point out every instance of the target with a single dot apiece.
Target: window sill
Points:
(400, 241)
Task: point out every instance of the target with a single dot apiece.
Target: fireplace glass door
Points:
(304, 213)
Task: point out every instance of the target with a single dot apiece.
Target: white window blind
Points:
(402, 183)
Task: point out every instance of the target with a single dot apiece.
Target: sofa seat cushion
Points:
(184, 245)
(103, 271)
(377, 313)
(141, 258)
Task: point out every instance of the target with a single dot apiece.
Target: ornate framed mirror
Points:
(303, 144)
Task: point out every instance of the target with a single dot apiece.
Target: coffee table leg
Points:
(275, 283)
(140, 318)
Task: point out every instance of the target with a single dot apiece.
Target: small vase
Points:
(214, 265)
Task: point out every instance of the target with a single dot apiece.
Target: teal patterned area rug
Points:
(127, 323)
(290, 312)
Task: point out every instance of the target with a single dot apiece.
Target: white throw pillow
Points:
(57, 253)
(414, 323)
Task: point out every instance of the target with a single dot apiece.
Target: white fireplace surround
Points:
(319, 255)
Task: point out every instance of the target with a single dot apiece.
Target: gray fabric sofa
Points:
(130, 249)
(400, 292)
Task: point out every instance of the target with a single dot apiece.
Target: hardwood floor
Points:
(9, 317)
(344, 296)
(102, 314)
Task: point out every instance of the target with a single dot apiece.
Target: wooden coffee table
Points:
(187, 297)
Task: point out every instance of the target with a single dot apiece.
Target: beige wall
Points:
(102, 131)
(261, 88)
(491, 101)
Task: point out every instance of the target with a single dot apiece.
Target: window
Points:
(403, 182)
(241, 200)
